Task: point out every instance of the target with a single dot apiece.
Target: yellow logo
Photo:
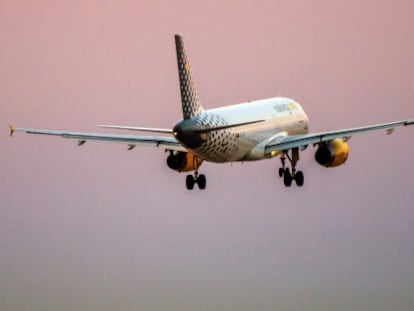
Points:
(291, 106)
(187, 67)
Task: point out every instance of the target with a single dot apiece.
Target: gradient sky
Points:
(99, 228)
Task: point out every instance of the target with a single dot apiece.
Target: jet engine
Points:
(183, 161)
(332, 153)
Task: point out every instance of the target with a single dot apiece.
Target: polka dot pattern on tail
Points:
(189, 98)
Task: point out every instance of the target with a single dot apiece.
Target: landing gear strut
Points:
(200, 180)
(286, 173)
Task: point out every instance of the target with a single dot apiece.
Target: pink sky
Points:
(98, 227)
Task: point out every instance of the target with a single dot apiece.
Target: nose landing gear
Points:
(286, 173)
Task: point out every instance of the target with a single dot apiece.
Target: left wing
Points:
(300, 141)
(169, 143)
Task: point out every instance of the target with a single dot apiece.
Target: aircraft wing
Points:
(169, 143)
(300, 141)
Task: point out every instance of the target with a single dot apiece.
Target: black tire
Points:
(189, 182)
(299, 178)
(202, 182)
(281, 172)
(287, 178)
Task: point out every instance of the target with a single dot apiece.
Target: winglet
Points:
(11, 128)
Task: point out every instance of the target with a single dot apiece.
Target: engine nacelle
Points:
(183, 161)
(332, 153)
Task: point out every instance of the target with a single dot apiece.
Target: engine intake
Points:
(183, 161)
(332, 153)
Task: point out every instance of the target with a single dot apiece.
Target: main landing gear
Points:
(200, 180)
(286, 173)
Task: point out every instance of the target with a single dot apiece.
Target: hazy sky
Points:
(99, 228)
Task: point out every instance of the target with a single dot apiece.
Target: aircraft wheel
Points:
(281, 172)
(201, 181)
(299, 178)
(189, 182)
(287, 178)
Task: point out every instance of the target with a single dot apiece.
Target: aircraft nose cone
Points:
(187, 133)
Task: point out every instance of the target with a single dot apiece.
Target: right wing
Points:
(169, 143)
(299, 141)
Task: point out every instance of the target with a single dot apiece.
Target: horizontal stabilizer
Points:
(223, 127)
(139, 129)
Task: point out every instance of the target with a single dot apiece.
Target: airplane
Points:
(250, 131)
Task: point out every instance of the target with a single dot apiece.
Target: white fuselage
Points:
(277, 118)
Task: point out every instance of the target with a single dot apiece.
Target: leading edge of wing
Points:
(169, 143)
(303, 140)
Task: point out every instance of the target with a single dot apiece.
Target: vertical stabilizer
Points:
(189, 97)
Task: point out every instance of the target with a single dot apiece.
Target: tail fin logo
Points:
(189, 98)
(187, 68)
